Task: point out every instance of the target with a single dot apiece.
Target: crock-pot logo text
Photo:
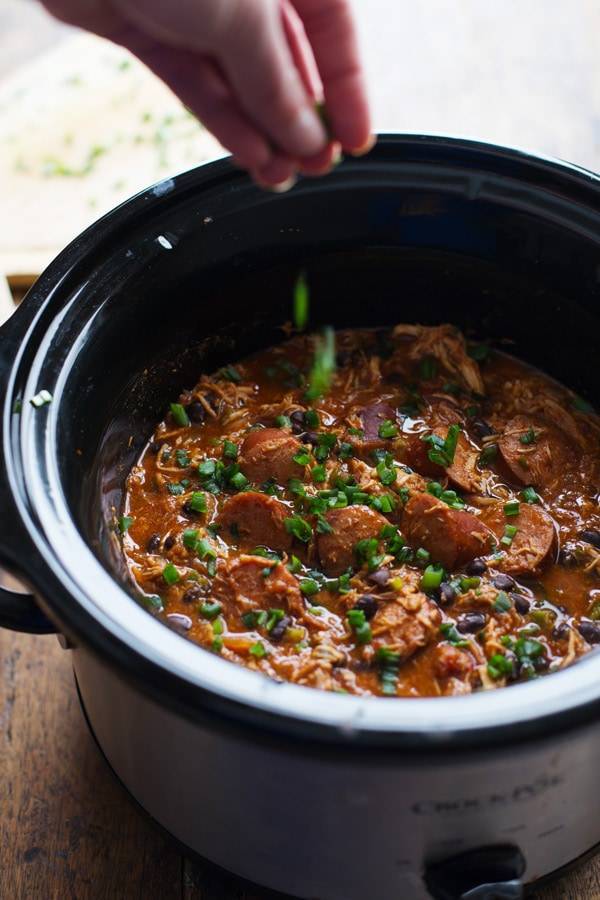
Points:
(522, 793)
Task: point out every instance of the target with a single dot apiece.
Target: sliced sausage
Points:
(244, 585)
(452, 537)
(350, 525)
(372, 417)
(269, 453)
(463, 473)
(255, 519)
(531, 545)
(538, 461)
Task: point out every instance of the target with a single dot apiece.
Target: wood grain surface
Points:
(525, 73)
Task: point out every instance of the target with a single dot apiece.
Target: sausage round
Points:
(452, 537)
(243, 584)
(537, 462)
(269, 453)
(531, 545)
(255, 519)
(350, 525)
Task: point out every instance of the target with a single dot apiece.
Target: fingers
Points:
(330, 30)
(267, 83)
(199, 84)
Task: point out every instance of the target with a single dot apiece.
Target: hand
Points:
(251, 71)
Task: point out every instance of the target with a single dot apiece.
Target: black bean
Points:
(591, 537)
(153, 542)
(567, 558)
(590, 631)
(368, 604)
(169, 542)
(471, 622)
(196, 411)
(561, 632)
(476, 567)
(503, 582)
(481, 428)
(178, 622)
(297, 420)
(447, 593)
(192, 594)
(278, 630)
(310, 437)
(154, 447)
(522, 604)
(379, 577)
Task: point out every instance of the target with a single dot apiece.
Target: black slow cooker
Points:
(319, 795)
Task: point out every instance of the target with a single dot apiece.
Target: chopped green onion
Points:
(152, 602)
(469, 584)
(499, 666)
(443, 449)
(230, 450)
(509, 533)
(389, 667)
(125, 523)
(530, 437)
(238, 481)
(180, 415)
(309, 586)
(258, 650)
(387, 474)
(323, 367)
(274, 616)
(346, 450)
(387, 429)
(301, 302)
(422, 556)
(359, 625)
(311, 418)
(190, 538)
(530, 495)
(302, 458)
(451, 633)
(432, 578)
(283, 421)
(319, 474)
(197, 502)
(170, 574)
(182, 458)
(210, 610)
(488, 454)
(512, 508)
(176, 488)
(502, 602)
(299, 528)
(323, 526)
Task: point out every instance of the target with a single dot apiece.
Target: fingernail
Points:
(366, 147)
(307, 135)
(280, 188)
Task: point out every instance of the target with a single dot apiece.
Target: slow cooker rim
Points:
(351, 728)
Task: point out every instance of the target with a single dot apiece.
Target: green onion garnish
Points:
(502, 602)
(530, 437)
(359, 625)
(509, 533)
(499, 666)
(323, 367)
(125, 523)
(258, 650)
(302, 458)
(238, 481)
(389, 667)
(283, 421)
(197, 502)
(309, 586)
(387, 429)
(530, 495)
(170, 574)
(301, 302)
(432, 578)
(299, 528)
(443, 449)
(190, 538)
(230, 450)
(210, 610)
(180, 415)
(512, 508)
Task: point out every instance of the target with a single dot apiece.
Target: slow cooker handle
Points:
(18, 612)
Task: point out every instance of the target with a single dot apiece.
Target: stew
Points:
(428, 526)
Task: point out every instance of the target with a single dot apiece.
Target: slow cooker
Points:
(314, 794)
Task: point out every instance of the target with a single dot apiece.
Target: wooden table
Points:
(518, 73)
